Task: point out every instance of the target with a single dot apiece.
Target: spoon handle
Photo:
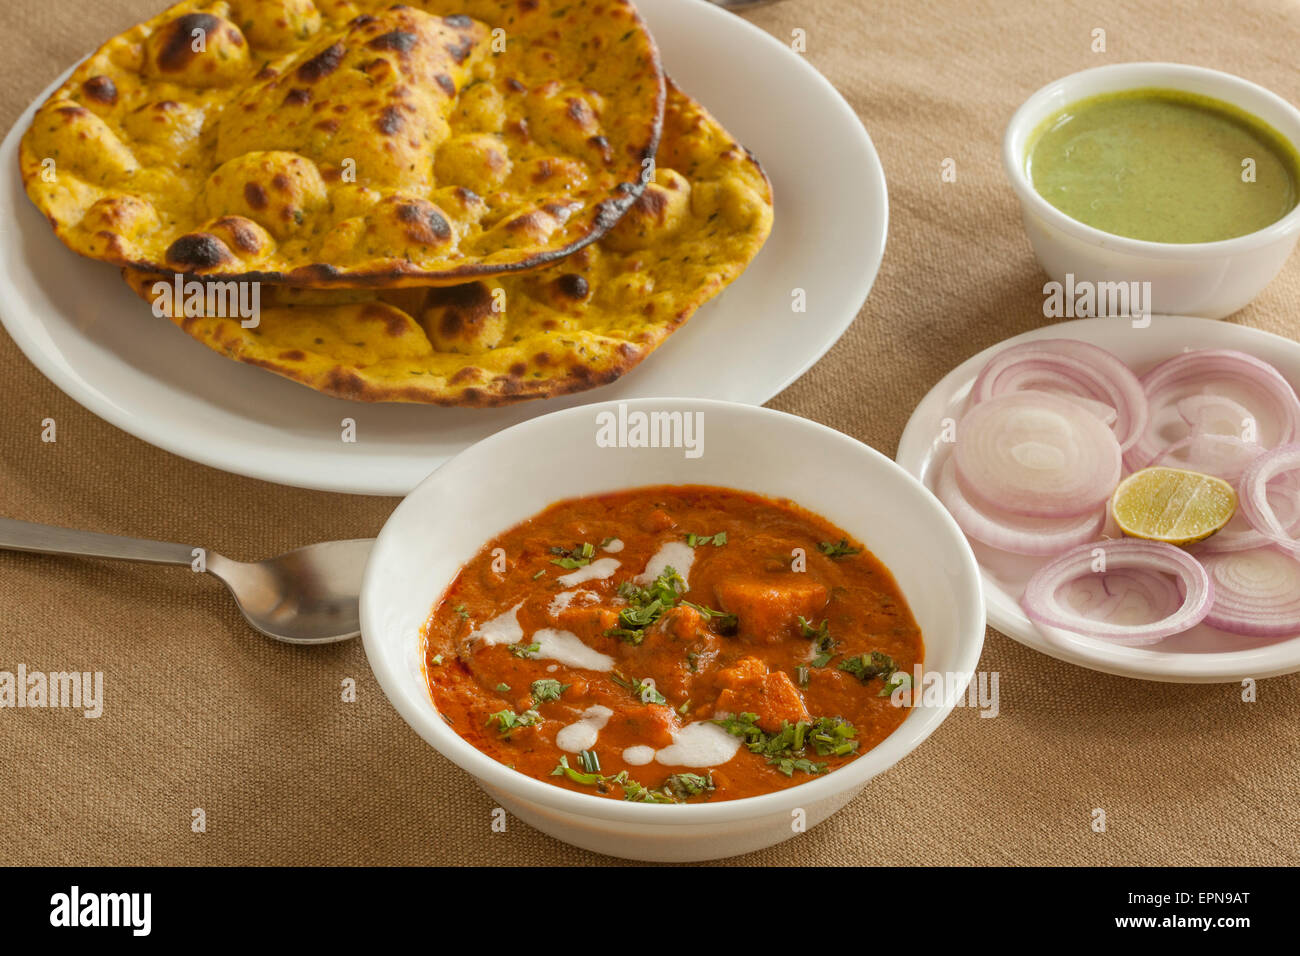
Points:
(51, 539)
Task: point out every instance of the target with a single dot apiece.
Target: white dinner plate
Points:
(78, 323)
(1201, 655)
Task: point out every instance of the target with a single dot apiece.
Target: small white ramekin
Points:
(1207, 279)
(511, 476)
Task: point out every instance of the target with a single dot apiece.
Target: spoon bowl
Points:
(305, 596)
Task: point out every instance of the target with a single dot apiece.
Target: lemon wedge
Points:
(1172, 505)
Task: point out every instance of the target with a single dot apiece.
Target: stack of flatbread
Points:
(457, 202)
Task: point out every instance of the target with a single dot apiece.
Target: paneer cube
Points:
(748, 688)
(589, 623)
(768, 611)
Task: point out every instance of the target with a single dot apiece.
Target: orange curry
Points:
(672, 644)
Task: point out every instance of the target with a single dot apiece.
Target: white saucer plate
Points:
(78, 323)
(1200, 655)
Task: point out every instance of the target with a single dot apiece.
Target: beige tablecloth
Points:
(200, 712)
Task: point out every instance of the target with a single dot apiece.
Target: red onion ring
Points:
(1253, 494)
(1239, 535)
(1256, 593)
(1042, 602)
(1011, 532)
(1036, 454)
(1211, 371)
(1069, 368)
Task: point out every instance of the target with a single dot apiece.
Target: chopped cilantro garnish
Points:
(824, 644)
(832, 737)
(896, 680)
(725, 623)
(547, 689)
(436, 660)
(645, 605)
(502, 687)
(841, 550)
(643, 690)
(744, 726)
(464, 614)
(866, 667)
(588, 779)
(684, 785)
(698, 540)
(646, 692)
(508, 721)
(539, 574)
(785, 749)
(821, 631)
(525, 650)
(578, 557)
(632, 789)
(788, 765)
(666, 589)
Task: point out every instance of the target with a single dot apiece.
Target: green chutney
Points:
(1164, 166)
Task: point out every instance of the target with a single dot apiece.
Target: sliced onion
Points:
(1253, 495)
(1031, 453)
(1223, 456)
(1217, 415)
(1283, 495)
(1070, 368)
(1256, 593)
(1223, 373)
(1042, 600)
(1018, 534)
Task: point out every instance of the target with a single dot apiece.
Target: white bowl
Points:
(516, 473)
(1206, 279)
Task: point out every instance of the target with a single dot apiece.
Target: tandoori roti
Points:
(578, 323)
(351, 142)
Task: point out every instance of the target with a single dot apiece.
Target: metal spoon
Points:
(307, 596)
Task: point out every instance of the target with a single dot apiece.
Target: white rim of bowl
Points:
(854, 775)
(1230, 89)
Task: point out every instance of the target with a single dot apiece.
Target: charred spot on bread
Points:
(198, 251)
(399, 41)
(178, 48)
(322, 64)
(573, 286)
(101, 89)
